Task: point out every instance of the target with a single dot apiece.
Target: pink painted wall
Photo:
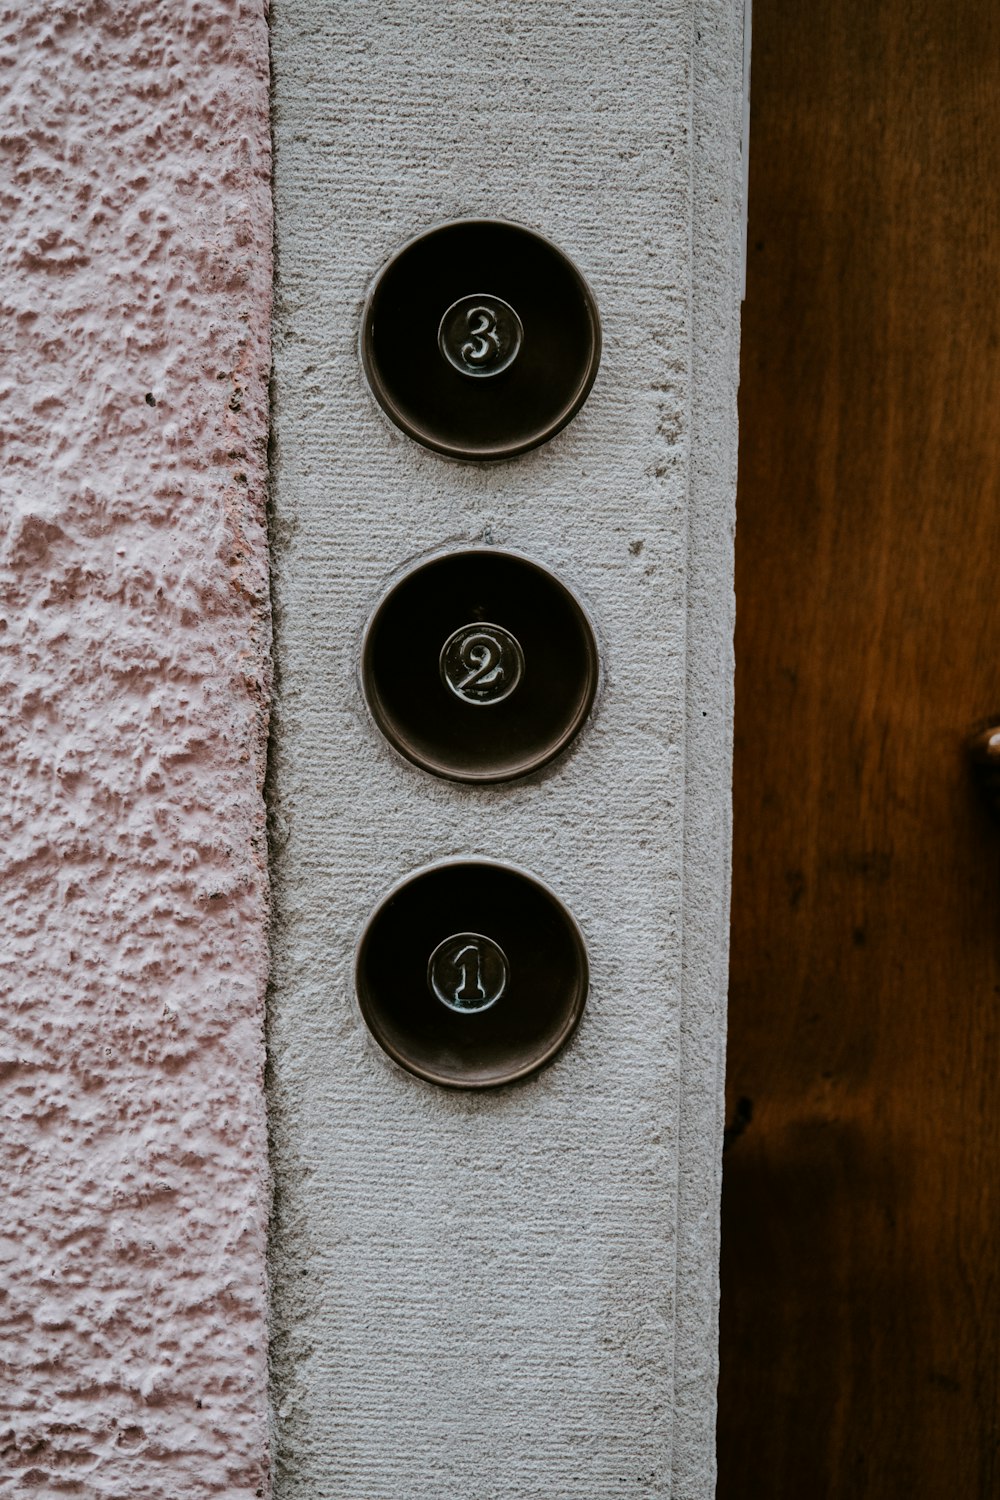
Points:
(134, 164)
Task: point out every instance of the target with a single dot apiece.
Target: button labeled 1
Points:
(471, 973)
(468, 972)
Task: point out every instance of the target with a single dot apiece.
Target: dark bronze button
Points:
(471, 973)
(480, 339)
(480, 335)
(468, 971)
(479, 665)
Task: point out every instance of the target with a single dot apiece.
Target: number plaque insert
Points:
(468, 972)
(481, 663)
(480, 335)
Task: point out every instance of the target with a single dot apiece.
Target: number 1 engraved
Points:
(478, 992)
(468, 972)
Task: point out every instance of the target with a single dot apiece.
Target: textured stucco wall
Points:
(134, 656)
(509, 1296)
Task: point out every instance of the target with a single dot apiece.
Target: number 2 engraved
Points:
(484, 655)
(484, 344)
(481, 663)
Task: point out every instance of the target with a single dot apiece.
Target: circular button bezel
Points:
(425, 720)
(547, 982)
(522, 404)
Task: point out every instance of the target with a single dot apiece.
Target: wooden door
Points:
(861, 1222)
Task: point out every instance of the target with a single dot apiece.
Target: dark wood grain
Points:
(861, 1223)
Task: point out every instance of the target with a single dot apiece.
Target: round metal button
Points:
(471, 973)
(480, 339)
(479, 665)
(482, 663)
(468, 972)
(480, 336)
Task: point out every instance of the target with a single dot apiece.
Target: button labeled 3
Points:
(480, 339)
(480, 336)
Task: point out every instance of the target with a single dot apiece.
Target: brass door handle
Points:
(984, 752)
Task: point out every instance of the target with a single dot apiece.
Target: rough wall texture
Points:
(135, 156)
(508, 1296)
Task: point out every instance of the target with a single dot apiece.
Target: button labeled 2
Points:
(479, 665)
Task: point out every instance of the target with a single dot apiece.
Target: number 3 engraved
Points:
(480, 335)
(484, 345)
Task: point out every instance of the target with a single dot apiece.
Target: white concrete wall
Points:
(134, 677)
(510, 1295)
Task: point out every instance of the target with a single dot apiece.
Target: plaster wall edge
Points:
(718, 228)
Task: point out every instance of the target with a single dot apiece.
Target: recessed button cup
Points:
(471, 973)
(479, 665)
(480, 339)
